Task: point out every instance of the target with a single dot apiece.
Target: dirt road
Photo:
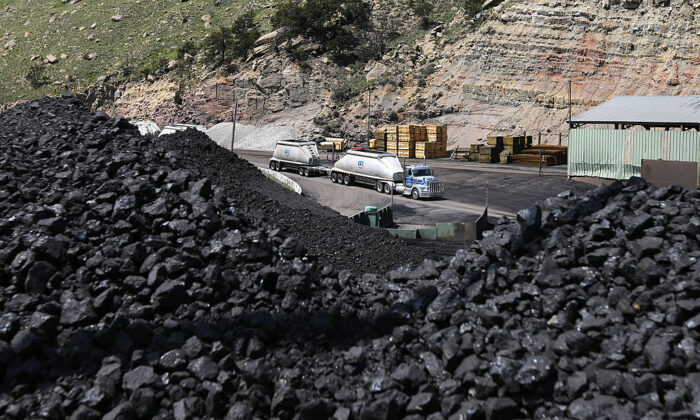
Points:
(509, 190)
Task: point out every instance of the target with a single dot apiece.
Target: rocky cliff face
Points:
(513, 73)
(508, 76)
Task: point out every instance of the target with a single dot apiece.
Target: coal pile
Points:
(326, 235)
(135, 289)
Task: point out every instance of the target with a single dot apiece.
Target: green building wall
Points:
(618, 154)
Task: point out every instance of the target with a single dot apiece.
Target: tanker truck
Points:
(384, 172)
(300, 156)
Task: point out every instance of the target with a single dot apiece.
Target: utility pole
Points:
(487, 195)
(369, 110)
(569, 102)
(233, 126)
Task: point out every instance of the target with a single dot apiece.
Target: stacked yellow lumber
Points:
(556, 154)
(438, 134)
(427, 150)
(474, 152)
(392, 133)
(495, 141)
(338, 144)
(379, 141)
(533, 159)
(550, 155)
(429, 141)
(488, 154)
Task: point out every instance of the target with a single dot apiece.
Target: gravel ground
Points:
(249, 137)
(135, 288)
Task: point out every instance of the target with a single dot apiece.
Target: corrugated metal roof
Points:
(644, 110)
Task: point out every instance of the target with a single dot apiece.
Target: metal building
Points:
(612, 139)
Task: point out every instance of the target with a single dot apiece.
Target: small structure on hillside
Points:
(613, 139)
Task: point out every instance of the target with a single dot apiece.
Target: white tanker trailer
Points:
(298, 155)
(384, 172)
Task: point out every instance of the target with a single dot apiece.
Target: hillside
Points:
(76, 42)
(505, 71)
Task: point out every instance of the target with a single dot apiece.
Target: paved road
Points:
(509, 190)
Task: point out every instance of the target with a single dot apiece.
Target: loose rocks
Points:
(161, 294)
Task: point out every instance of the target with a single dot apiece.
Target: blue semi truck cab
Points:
(421, 182)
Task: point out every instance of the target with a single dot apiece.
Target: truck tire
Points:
(334, 177)
(387, 189)
(414, 194)
(272, 165)
(301, 171)
(306, 172)
(380, 186)
(347, 180)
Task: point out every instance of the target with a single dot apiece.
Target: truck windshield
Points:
(421, 172)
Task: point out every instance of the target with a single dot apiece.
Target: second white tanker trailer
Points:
(301, 156)
(384, 172)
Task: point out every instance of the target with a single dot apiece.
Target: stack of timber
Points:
(379, 141)
(412, 141)
(438, 134)
(515, 144)
(488, 154)
(426, 149)
(550, 155)
(474, 152)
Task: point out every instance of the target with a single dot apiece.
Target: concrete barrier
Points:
(375, 218)
(283, 179)
(457, 231)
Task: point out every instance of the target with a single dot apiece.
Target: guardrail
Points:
(282, 179)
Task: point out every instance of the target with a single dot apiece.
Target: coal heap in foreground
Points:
(134, 288)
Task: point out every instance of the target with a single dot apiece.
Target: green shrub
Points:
(36, 76)
(472, 8)
(178, 94)
(188, 47)
(424, 10)
(231, 42)
(156, 65)
(324, 21)
(340, 93)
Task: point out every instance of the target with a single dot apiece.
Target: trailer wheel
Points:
(334, 177)
(387, 189)
(272, 165)
(346, 179)
(301, 171)
(306, 171)
(415, 195)
(380, 186)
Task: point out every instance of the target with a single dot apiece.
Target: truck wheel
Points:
(334, 177)
(387, 189)
(306, 172)
(380, 186)
(415, 195)
(301, 171)
(346, 179)
(272, 165)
